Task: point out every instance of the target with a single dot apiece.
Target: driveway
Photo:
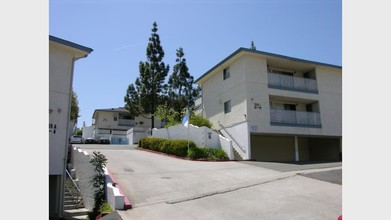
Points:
(161, 187)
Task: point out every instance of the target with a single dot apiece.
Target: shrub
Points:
(99, 161)
(200, 121)
(105, 208)
(173, 147)
(207, 153)
(197, 153)
(152, 143)
(219, 154)
(177, 147)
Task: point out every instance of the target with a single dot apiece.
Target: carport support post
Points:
(296, 149)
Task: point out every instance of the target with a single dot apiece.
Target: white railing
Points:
(292, 82)
(295, 117)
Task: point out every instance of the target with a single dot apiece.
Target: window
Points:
(291, 107)
(227, 107)
(115, 118)
(226, 73)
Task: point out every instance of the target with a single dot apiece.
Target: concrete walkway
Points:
(162, 187)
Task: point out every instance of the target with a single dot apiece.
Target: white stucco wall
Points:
(201, 136)
(134, 134)
(84, 171)
(217, 91)
(239, 133)
(60, 81)
(88, 131)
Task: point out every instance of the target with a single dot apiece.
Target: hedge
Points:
(173, 147)
(207, 153)
(180, 148)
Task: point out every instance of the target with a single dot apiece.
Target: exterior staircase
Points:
(236, 155)
(73, 201)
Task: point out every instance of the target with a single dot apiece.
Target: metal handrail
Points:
(73, 181)
(77, 201)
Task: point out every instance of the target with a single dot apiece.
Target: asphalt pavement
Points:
(161, 187)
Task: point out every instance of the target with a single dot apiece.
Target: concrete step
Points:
(76, 212)
(69, 202)
(236, 155)
(73, 206)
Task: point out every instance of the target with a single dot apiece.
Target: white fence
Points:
(201, 136)
(134, 134)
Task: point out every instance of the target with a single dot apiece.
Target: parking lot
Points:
(161, 187)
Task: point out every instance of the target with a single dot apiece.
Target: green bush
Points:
(105, 208)
(152, 143)
(173, 147)
(218, 154)
(200, 121)
(197, 153)
(207, 153)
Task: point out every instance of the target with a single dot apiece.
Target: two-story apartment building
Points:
(274, 107)
(62, 57)
(113, 123)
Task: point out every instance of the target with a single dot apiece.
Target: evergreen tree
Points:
(180, 85)
(74, 107)
(147, 93)
(252, 47)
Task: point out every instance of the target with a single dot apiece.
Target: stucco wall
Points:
(88, 131)
(217, 91)
(60, 80)
(134, 134)
(239, 134)
(201, 136)
(84, 173)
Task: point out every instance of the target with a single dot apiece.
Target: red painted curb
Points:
(185, 158)
(127, 204)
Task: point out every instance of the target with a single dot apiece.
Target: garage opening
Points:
(272, 148)
(283, 148)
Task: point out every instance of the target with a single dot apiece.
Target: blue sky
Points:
(207, 30)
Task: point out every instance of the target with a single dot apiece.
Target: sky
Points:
(207, 30)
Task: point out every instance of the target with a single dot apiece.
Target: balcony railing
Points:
(292, 83)
(295, 118)
(125, 122)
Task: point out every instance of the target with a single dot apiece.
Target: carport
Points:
(295, 148)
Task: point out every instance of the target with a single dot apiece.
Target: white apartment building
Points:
(114, 123)
(274, 107)
(62, 57)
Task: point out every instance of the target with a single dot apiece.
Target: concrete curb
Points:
(127, 204)
(185, 158)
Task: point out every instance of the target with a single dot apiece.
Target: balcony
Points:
(295, 118)
(292, 83)
(125, 122)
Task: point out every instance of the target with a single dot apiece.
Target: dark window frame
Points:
(226, 73)
(227, 107)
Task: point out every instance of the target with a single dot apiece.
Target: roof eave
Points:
(242, 49)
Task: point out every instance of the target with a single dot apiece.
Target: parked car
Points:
(76, 139)
(90, 140)
(104, 140)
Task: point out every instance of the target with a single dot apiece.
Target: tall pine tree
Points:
(181, 92)
(147, 93)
